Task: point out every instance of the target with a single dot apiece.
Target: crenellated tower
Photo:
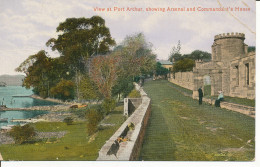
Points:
(228, 47)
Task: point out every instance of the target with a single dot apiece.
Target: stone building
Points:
(232, 69)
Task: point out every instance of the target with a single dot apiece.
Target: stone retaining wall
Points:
(183, 79)
(131, 104)
(128, 150)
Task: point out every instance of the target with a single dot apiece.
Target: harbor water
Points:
(18, 97)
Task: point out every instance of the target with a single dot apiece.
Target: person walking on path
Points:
(200, 95)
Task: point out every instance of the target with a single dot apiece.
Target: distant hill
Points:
(12, 80)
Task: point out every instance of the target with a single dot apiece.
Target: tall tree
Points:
(160, 70)
(79, 39)
(175, 53)
(103, 73)
(183, 65)
(39, 73)
(42, 72)
(137, 56)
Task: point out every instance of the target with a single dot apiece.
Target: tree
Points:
(160, 70)
(22, 134)
(123, 86)
(103, 72)
(38, 70)
(135, 59)
(94, 117)
(136, 56)
(42, 72)
(200, 55)
(183, 65)
(175, 53)
(88, 89)
(251, 49)
(81, 38)
(63, 90)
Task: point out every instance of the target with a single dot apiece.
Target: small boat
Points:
(3, 119)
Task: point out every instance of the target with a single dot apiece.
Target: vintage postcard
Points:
(127, 80)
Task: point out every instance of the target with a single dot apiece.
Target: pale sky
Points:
(26, 25)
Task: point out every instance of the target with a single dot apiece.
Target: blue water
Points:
(6, 98)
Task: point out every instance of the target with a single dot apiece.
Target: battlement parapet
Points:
(230, 35)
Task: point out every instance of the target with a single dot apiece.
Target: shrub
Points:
(94, 117)
(68, 120)
(108, 105)
(64, 90)
(134, 94)
(21, 134)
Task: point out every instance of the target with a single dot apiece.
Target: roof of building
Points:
(165, 62)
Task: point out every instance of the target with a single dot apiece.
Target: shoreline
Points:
(50, 100)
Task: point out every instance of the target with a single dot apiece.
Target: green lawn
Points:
(181, 130)
(242, 101)
(74, 145)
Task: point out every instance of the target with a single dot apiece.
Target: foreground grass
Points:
(181, 130)
(75, 145)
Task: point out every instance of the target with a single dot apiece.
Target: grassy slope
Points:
(73, 146)
(180, 129)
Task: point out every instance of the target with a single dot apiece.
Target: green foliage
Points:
(183, 65)
(80, 38)
(134, 94)
(136, 56)
(93, 117)
(68, 120)
(123, 86)
(175, 53)
(88, 89)
(108, 105)
(42, 73)
(103, 72)
(195, 55)
(22, 134)
(199, 55)
(63, 90)
(160, 70)
(251, 49)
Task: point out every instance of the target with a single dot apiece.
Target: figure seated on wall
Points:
(220, 98)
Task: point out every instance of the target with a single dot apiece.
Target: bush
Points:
(64, 90)
(134, 94)
(21, 134)
(108, 105)
(94, 117)
(68, 120)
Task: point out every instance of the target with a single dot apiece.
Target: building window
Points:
(247, 73)
(237, 75)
